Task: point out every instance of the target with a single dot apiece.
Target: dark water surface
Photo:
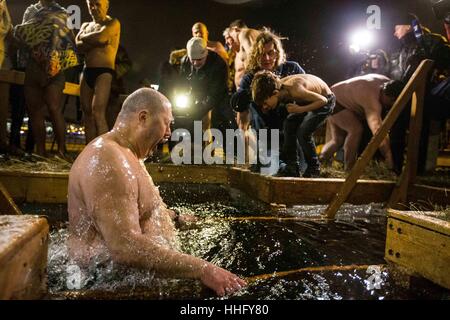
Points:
(249, 239)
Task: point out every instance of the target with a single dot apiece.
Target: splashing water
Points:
(250, 248)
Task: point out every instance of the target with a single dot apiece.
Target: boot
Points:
(288, 171)
(312, 172)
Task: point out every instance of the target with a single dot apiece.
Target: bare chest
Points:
(149, 198)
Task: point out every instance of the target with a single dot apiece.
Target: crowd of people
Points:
(350, 106)
(219, 83)
(48, 52)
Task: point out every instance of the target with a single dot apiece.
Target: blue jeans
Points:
(299, 128)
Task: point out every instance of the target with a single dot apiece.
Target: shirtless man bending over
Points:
(309, 101)
(99, 41)
(360, 99)
(115, 209)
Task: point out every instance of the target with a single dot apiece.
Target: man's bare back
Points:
(307, 81)
(99, 162)
(360, 94)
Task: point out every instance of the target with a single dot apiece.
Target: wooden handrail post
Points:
(416, 81)
(408, 176)
(7, 204)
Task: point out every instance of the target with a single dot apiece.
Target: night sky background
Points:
(318, 30)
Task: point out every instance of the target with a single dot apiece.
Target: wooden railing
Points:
(18, 77)
(415, 88)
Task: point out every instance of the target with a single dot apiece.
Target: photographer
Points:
(205, 74)
(418, 43)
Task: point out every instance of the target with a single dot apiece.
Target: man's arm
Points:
(220, 50)
(374, 121)
(116, 214)
(103, 36)
(5, 23)
(81, 45)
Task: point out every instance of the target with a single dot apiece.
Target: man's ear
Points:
(275, 92)
(143, 116)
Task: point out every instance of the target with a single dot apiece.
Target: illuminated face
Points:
(199, 30)
(401, 31)
(270, 103)
(166, 121)
(98, 9)
(158, 128)
(229, 41)
(234, 34)
(268, 57)
(198, 63)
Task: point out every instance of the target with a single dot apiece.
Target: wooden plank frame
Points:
(420, 244)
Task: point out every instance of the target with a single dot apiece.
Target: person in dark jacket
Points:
(205, 74)
(417, 45)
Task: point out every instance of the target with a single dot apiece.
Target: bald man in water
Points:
(115, 208)
(99, 41)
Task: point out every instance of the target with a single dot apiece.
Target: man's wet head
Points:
(98, 9)
(197, 52)
(145, 119)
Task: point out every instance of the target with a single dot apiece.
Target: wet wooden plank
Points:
(51, 187)
(295, 191)
(39, 187)
(23, 257)
(18, 77)
(421, 249)
(427, 220)
(12, 76)
(256, 185)
(188, 174)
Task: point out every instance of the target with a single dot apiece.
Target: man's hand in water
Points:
(185, 219)
(221, 281)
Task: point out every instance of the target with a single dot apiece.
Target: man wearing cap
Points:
(418, 43)
(205, 75)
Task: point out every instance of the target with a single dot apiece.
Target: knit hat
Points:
(406, 19)
(196, 48)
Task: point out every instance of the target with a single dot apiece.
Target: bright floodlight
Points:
(361, 39)
(181, 101)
